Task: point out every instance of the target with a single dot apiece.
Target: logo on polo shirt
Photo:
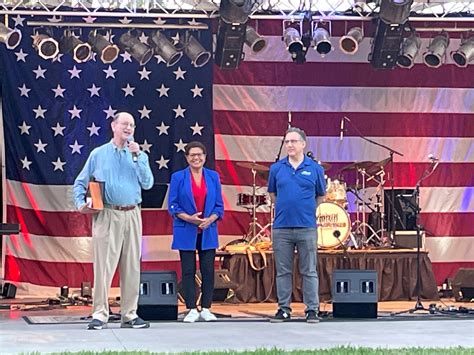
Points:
(307, 173)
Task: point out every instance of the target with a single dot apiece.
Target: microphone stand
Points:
(391, 218)
(283, 139)
(336, 234)
(416, 207)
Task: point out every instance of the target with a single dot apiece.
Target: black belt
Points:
(121, 208)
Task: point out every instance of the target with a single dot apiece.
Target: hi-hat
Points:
(253, 166)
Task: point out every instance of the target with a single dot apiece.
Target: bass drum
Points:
(334, 225)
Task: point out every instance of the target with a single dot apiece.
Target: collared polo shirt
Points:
(296, 191)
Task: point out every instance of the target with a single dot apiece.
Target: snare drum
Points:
(336, 192)
(334, 225)
(245, 200)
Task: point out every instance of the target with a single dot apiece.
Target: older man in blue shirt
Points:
(294, 184)
(117, 229)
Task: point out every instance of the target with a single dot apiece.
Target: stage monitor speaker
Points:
(9, 290)
(354, 294)
(463, 285)
(158, 298)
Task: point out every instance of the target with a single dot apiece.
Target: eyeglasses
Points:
(196, 155)
(125, 124)
(292, 141)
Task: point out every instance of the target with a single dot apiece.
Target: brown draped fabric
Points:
(396, 272)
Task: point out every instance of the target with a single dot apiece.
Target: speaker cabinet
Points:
(229, 46)
(158, 298)
(463, 284)
(9, 290)
(354, 293)
(86, 289)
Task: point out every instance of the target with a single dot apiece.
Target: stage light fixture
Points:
(11, 37)
(107, 51)
(395, 11)
(433, 57)
(47, 47)
(322, 41)
(410, 48)
(81, 52)
(293, 42)
(164, 48)
(349, 43)
(198, 55)
(255, 41)
(465, 54)
(141, 52)
(235, 11)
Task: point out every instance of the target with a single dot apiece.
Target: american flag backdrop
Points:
(56, 112)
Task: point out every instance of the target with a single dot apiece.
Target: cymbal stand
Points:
(379, 178)
(364, 230)
(252, 234)
(360, 224)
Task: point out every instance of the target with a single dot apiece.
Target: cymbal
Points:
(253, 165)
(377, 166)
(325, 166)
(359, 165)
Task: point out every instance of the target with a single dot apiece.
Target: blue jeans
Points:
(284, 242)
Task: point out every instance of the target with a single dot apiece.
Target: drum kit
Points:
(256, 232)
(335, 228)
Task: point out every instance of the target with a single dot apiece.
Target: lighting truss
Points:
(273, 9)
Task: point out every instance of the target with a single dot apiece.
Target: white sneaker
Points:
(192, 316)
(207, 316)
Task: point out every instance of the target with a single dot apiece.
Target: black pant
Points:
(188, 269)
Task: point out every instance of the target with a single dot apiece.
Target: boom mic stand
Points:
(391, 220)
(416, 207)
(283, 139)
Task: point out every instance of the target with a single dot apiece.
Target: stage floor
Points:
(243, 326)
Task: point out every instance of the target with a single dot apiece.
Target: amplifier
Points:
(407, 239)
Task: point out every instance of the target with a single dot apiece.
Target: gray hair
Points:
(297, 130)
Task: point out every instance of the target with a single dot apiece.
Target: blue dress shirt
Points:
(122, 177)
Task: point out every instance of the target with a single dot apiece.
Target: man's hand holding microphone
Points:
(134, 148)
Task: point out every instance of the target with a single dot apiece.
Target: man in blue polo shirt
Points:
(295, 184)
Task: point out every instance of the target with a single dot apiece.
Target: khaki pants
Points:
(116, 239)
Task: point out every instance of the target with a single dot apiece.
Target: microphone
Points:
(434, 161)
(432, 158)
(289, 119)
(134, 155)
(342, 129)
(310, 155)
